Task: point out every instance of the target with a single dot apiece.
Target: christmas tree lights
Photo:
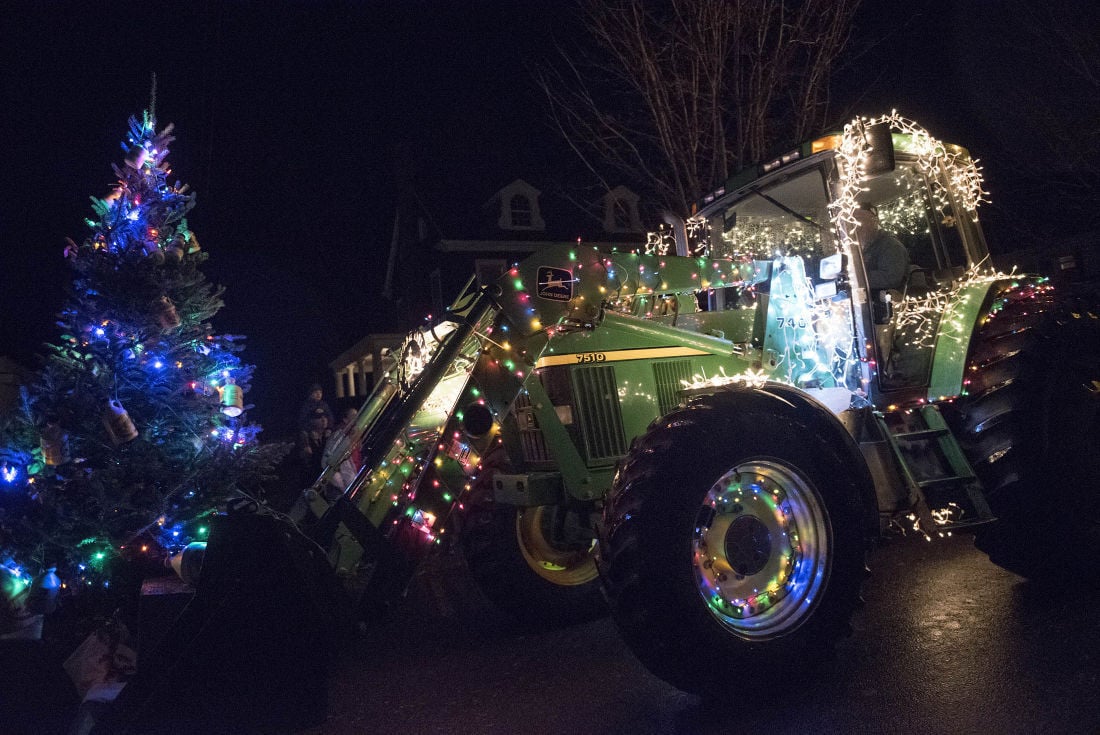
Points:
(134, 431)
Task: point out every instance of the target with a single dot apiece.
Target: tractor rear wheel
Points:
(519, 561)
(1030, 425)
(732, 546)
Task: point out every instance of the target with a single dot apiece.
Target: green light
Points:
(518, 284)
(447, 497)
(202, 530)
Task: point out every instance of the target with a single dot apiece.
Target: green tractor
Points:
(709, 436)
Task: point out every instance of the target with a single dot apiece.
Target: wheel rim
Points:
(565, 567)
(761, 549)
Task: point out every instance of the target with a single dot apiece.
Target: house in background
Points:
(442, 237)
(438, 242)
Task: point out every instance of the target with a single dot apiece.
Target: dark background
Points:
(295, 119)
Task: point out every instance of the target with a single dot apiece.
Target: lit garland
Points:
(918, 317)
(764, 239)
(934, 159)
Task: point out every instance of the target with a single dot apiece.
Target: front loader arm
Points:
(399, 430)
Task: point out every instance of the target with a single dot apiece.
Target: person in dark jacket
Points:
(884, 257)
(315, 400)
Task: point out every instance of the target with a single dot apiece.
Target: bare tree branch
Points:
(676, 95)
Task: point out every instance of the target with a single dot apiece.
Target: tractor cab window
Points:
(923, 223)
(786, 217)
(904, 211)
(951, 236)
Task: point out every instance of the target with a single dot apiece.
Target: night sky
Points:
(293, 117)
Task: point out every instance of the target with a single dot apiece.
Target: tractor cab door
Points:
(939, 247)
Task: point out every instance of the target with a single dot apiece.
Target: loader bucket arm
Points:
(398, 430)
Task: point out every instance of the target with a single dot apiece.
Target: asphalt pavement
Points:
(946, 643)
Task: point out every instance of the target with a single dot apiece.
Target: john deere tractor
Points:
(710, 435)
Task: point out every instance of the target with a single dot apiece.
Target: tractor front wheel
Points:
(731, 546)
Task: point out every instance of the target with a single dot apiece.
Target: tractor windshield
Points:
(786, 218)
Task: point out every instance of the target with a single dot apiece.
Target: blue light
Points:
(8, 474)
(99, 331)
(158, 364)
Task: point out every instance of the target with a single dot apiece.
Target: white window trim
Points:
(519, 187)
(629, 201)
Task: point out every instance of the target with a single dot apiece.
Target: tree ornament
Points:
(136, 157)
(153, 251)
(232, 399)
(55, 445)
(119, 426)
(42, 595)
(165, 310)
(192, 244)
(188, 563)
(176, 248)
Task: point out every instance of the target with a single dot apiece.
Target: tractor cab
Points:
(802, 213)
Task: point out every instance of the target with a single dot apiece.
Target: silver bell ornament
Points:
(120, 428)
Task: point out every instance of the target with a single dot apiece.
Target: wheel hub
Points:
(567, 567)
(748, 545)
(761, 549)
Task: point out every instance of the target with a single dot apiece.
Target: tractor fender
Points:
(780, 399)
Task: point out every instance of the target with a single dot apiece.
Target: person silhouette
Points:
(884, 257)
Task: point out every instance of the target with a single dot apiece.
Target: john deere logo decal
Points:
(554, 284)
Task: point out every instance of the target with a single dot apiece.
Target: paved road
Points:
(947, 643)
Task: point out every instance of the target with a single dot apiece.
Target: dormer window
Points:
(621, 215)
(519, 207)
(620, 211)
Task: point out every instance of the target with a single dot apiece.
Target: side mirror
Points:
(880, 158)
(831, 268)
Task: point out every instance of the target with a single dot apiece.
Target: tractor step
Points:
(934, 466)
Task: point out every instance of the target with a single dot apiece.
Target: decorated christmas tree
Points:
(135, 431)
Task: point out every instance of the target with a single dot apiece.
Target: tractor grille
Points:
(670, 376)
(601, 420)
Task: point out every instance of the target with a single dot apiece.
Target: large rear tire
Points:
(1030, 426)
(519, 565)
(732, 546)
